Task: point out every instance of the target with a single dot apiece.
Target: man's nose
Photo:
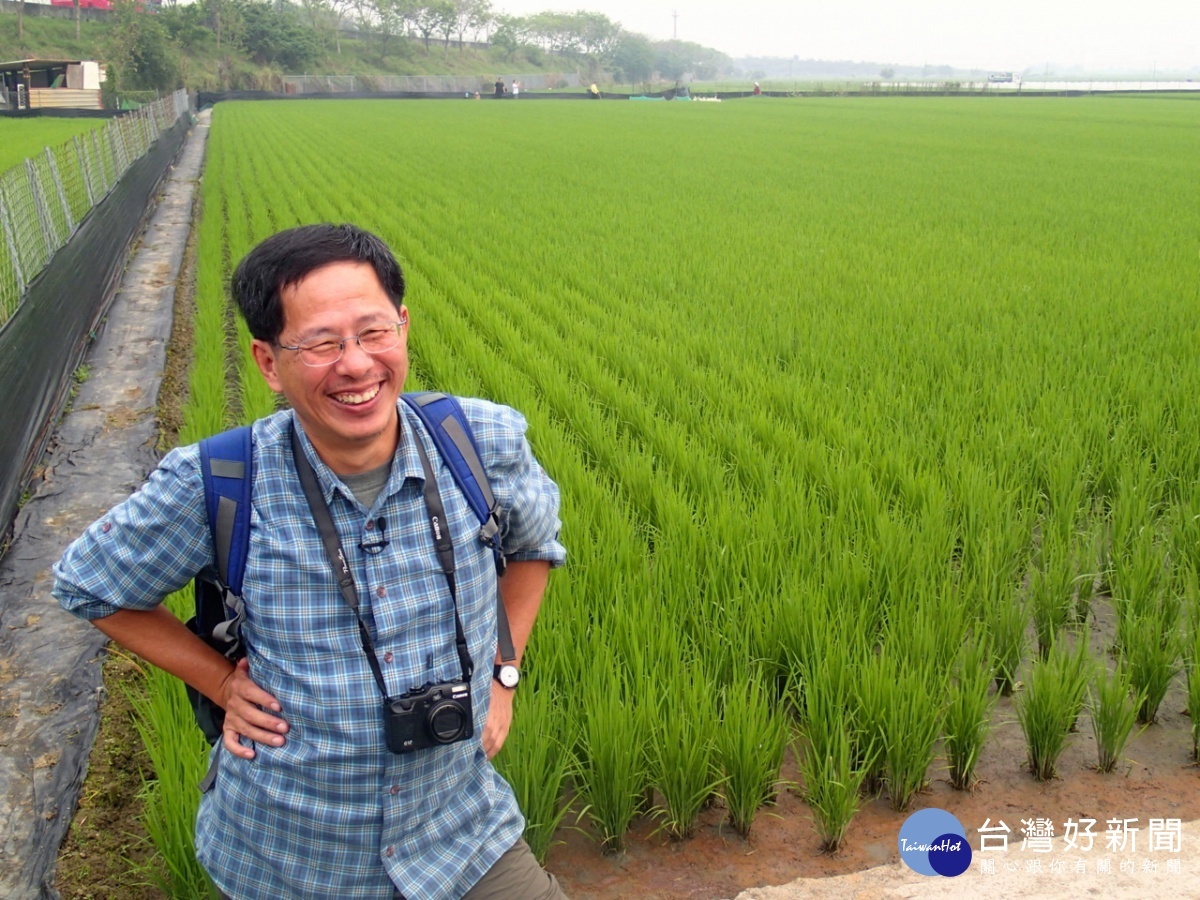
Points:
(354, 357)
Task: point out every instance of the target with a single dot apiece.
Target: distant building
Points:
(50, 84)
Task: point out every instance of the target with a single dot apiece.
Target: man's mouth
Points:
(357, 399)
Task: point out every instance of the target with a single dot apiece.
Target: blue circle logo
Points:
(933, 842)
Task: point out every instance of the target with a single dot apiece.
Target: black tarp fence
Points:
(43, 343)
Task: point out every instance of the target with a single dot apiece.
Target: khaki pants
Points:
(515, 876)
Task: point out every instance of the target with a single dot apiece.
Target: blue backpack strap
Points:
(227, 466)
(447, 424)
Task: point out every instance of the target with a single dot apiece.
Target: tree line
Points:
(151, 52)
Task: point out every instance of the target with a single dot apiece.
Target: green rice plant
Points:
(178, 756)
(1114, 710)
(1051, 591)
(1050, 704)
(612, 762)
(682, 751)
(871, 678)
(826, 757)
(1004, 617)
(1193, 688)
(1151, 654)
(536, 760)
(968, 712)
(750, 740)
(912, 723)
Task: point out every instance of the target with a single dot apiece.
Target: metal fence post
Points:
(62, 195)
(43, 211)
(85, 166)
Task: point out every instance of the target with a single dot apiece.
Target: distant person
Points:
(594, 92)
(516, 89)
(499, 88)
(757, 90)
(477, 95)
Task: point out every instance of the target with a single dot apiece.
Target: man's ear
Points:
(264, 356)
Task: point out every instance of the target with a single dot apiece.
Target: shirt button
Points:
(395, 789)
(387, 657)
(381, 591)
(387, 852)
(370, 524)
(106, 527)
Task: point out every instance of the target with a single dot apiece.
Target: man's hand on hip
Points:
(246, 713)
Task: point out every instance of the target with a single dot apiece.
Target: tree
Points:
(383, 20)
(141, 53)
(509, 35)
(430, 19)
(633, 57)
(276, 35)
(470, 15)
(887, 73)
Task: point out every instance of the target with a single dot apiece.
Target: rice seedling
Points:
(1051, 592)
(178, 756)
(1151, 654)
(968, 712)
(682, 753)
(751, 738)
(827, 758)
(536, 760)
(1193, 689)
(1114, 710)
(1050, 704)
(871, 678)
(612, 763)
(911, 727)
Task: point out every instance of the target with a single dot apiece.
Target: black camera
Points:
(427, 716)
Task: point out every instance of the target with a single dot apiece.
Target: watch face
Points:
(509, 676)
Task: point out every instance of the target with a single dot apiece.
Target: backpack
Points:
(227, 467)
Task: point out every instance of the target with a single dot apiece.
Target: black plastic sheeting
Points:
(205, 99)
(50, 675)
(44, 341)
(63, 113)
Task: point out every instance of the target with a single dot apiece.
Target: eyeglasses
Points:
(326, 351)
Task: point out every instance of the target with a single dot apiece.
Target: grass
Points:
(23, 138)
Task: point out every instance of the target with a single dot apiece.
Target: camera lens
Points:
(447, 723)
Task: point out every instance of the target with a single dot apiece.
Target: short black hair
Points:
(286, 258)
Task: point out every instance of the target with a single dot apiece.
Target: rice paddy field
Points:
(864, 411)
(23, 138)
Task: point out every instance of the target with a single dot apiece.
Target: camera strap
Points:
(341, 569)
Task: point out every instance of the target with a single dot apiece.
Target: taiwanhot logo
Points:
(933, 842)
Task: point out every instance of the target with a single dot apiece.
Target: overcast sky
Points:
(1002, 34)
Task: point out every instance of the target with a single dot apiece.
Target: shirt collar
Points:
(405, 464)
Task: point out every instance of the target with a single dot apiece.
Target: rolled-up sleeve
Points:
(146, 547)
(526, 494)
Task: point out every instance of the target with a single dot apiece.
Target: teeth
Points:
(355, 399)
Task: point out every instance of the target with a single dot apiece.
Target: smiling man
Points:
(313, 797)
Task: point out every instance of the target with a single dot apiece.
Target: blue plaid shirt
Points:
(333, 813)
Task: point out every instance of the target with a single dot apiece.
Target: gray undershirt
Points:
(366, 485)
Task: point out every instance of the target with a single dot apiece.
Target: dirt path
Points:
(50, 684)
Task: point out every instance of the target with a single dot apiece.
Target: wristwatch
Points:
(508, 675)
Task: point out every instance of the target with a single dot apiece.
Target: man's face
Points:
(348, 409)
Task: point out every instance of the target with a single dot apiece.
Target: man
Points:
(308, 801)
